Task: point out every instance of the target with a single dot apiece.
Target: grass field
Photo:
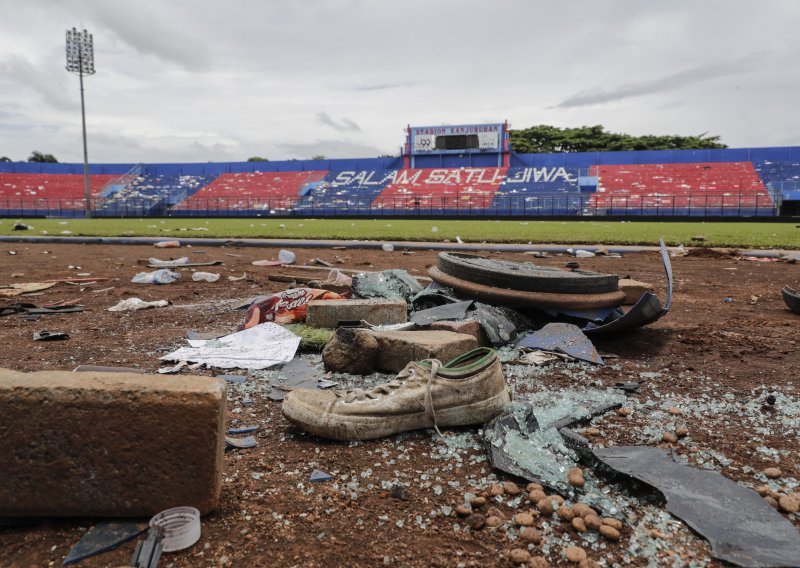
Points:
(730, 234)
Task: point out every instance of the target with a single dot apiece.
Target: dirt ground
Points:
(715, 360)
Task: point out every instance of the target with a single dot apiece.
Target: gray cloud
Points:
(50, 88)
(343, 125)
(671, 82)
(330, 149)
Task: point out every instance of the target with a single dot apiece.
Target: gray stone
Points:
(398, 348)
(351, 351)
(98, 444)
(377, 311)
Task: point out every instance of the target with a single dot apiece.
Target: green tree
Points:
(543, 138)
(5, 159)
(257, 159)
(319, 157)
(38, 157)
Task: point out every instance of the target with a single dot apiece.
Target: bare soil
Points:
(715, 360)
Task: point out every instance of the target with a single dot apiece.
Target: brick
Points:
(98, 444)
(398, 348)
(468, 327)
(377, 311)
(633, 290)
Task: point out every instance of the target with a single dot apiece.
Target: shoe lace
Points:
(408, 376)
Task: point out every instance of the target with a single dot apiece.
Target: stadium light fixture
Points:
(80, 60)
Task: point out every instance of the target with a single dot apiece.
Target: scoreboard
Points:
(456, 139)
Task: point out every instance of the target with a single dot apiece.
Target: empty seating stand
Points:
(546, 190)
(349, 192)
(700, 189)
(46, 194)
(444, 191)
(249, 193)
(151, 194)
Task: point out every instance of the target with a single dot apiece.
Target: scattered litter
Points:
(392, 284)
(791, 298)
(580, 253)
(148, 551)
(103, 537)
(322, 262)
(238, 278)
(297, 374)
(134, 304)
(289, 306)
(205, 277)
(387, 247)
(45, 335)
(102, 369)
(537, 358)
(455, 311)
(266, 263)
(563, 338)
(286, 256)
(174, 369)
(163, 276)
(243, 430)
(180, 526)
(182, 262)
(738, 523)
(727, 299)
(240, 443)
(678, 251)
(318, 476)
(167, 244)
(233, 378)
(258, 347)
(24, 288)
(21, 227)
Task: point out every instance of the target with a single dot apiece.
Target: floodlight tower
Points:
(80, 60)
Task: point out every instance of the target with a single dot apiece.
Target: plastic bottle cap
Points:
(181, 526)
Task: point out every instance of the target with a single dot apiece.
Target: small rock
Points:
(579, 525)
(519, 556)
(616, 523)
(590, 432)
(593, 522)
(530, 534)
(789, 504)
(674, 410)
(588, 563)
(557, 499)
(534, 487)
(495, 512)
(476, 521)
(495, 490)
(478, 502)
(566, 513)
(536, 495)
(624, 411)
(771, 501)
(523, 519)
(763, 490)
(511, 488)
(545, 506)
(463, 511)
(493, 522)
(609, 533)
(655, 533)
(575, 554)
(669, 438)
(682, 432)
(575, 477)
(399, 491)
(538, 562)
(773, 473)
(582, 509)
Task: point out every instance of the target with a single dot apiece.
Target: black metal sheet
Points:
(103, 537)
(740, 526)
(456, 311)
(563, 338)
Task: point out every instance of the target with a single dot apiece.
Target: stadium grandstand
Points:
(452, 171)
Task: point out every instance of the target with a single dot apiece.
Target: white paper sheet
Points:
(259, 347)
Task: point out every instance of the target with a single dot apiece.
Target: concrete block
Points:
(98, 444)
(398, 348)
(467, 327)
(351, 351)
(633, 290)
(328, 313)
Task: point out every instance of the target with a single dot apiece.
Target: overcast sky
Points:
(202, 80)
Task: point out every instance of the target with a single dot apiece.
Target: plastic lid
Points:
(181, 526)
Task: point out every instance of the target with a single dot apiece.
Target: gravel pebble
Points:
(511, 488)
(566, 513)
(463, 511)
(616, 523)
(519, 556)
(495, 490)
(624, 411)
(493, 522)
(682, 432)
(476, 521)
(771, 501)
(534, 487)
(674, 410)
(545, 506)
(575, 477)
(579, 525)
(593, 522)
(530, 534)
(536, 495)
(523, 519)
(575, 554)
(773, 473)
(478, 502)
(589, 432)
(538, 562)
(789, 504)
(610, 533)
(582, 509)
(669, 438)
